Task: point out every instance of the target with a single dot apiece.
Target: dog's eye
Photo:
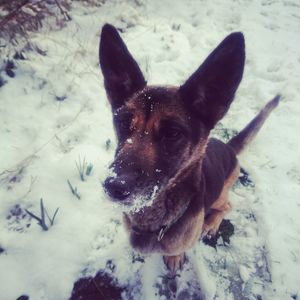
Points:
(172, 136)
(170, 128)
(171, 133)
(123, 124)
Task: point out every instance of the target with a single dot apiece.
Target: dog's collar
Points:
(165, 228)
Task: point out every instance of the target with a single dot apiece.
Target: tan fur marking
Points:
(148, 152)
(221, 206)
(138, 122)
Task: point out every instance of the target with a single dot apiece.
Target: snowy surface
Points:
(41, 139)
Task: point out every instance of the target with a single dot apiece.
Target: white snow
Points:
(41, 139)
(139, 202)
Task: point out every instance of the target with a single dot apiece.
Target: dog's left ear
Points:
(210, 90)
(122, 75)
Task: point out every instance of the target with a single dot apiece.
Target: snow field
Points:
(55, 110)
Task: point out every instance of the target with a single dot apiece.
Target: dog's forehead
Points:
(151, 101)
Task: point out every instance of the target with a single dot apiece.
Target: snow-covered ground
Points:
(54, 113)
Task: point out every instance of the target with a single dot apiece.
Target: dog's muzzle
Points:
(119, 188)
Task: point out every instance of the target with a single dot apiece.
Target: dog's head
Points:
(158, 128)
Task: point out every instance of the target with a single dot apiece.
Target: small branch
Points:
(63, 12)
(8, 17)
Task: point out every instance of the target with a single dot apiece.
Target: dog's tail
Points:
(243, 138)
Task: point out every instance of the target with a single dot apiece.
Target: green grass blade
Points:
(33, 216)
(53, 218)
(42, 211)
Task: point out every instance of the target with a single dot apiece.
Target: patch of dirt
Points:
(101, 287)
(226, 230)
(245, 179)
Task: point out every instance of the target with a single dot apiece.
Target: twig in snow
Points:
(63, 12)
(8, 17)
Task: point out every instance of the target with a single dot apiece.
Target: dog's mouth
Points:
(157, 229)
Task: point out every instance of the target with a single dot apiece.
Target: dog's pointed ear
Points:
(210, 90)
(122, 75)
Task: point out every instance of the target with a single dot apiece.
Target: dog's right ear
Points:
(122, 75)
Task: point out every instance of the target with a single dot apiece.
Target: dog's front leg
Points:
(220, 207)
(182, 236)
(174, 262)
(214, 220)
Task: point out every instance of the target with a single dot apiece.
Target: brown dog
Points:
(164, 153)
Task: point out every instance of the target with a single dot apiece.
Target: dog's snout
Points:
(118, 188)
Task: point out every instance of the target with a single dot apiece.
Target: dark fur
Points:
(163, 141)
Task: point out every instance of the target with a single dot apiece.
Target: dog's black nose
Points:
(118, 188)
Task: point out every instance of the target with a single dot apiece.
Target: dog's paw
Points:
(212, 224)
(209, 232)
(175, 262)
(225, 231)
(210, 235)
